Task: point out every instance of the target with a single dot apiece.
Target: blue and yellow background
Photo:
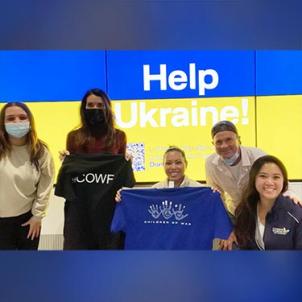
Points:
(260, 91)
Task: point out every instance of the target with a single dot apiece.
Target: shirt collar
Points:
(183, 184)
(244, 161)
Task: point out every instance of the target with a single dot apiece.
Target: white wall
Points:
(296, 187)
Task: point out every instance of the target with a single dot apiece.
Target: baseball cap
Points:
(223, 126)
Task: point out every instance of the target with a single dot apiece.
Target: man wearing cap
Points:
(228, 169)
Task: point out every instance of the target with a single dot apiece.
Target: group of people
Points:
(253, 185)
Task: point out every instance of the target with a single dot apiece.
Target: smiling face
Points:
(269, 182)
(226, 143)
(175, 166)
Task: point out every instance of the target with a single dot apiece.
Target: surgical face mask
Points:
(17, 130)
(95, 117)
(230, 161)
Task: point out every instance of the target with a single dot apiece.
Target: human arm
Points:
(298, 236)
(210, 177)
(227, 245)
(121, 142)
(118, 196)
(128, 155)
(70, 145)
(293, 197)
(223, 225)
(34, 224)
(63, 154)
(71, 141)
(43, 189)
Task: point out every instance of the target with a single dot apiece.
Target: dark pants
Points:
(86, 229)
(13, 236)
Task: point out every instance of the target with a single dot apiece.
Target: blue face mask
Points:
(230, 161)
(17, 130)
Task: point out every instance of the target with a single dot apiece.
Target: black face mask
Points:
(95, 119)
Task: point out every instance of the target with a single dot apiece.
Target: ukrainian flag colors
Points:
(163, 98)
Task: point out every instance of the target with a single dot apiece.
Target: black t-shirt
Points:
(93, 177)
(89, 184)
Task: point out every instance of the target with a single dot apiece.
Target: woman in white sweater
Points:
(26, 178)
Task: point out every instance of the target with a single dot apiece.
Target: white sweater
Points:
(22, 187)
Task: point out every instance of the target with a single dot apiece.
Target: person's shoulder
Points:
(252, 150)
(160, 185)
(119, 133)
(193, 183)
(290, 207)
(211, 157)
(44, 148)
(45, 155)
(73, 136)
(74, 132)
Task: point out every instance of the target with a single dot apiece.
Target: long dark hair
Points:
(84, 136)
(246, 212)
(36, 146)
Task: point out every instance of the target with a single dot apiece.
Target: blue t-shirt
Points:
(180, 218)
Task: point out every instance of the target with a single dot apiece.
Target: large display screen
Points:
(164, 98)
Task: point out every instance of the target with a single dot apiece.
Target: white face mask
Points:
(17, 130)
(230, 161)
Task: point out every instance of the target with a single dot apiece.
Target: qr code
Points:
(137, 150)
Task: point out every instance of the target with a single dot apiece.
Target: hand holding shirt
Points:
(180, 218)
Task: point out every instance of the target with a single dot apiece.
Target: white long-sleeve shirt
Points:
(187, 182)
(22, 186)
(231, 181)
